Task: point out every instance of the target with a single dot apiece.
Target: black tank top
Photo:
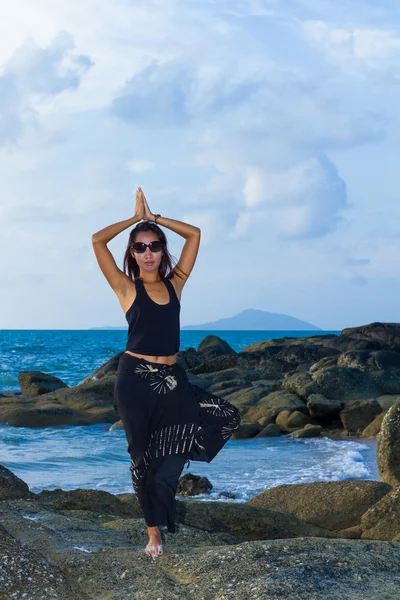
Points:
(154, 329)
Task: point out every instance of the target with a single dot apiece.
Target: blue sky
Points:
(273, 126)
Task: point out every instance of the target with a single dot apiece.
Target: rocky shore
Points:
(296, 542)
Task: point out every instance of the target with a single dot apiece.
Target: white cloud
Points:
(231, 115)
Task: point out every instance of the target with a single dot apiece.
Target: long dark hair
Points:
(131, 268)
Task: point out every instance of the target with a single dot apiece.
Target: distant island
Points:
(250, 320)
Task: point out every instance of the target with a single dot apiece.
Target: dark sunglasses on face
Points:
(140, 247)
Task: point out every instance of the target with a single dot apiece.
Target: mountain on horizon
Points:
(254, 319)
(250, 319)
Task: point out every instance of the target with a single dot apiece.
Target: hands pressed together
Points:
(142, 210)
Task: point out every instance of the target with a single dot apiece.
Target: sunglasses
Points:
(140, 247)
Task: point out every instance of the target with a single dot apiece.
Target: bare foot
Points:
(154, 547)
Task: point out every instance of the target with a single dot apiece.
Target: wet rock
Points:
(309, 431)
(271, 430)
(192, 485)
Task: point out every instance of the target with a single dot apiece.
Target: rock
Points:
(28, 574)
(387, 381)
(320, 407)
(387, 335)
(374, 427)
(370, 360)
(117, 425)
(271, 430)
(213, 345)
(388, 447)
(272, 404)
(248, 398)
(382, 520)
(245, 522)
(387, 400)
(217, 363)
(227, 494)
(192, 485)
(11, 486)
(108, 369)
(123, 505)
(246, 430)
(333, 505)
(343, 383)
(300, 384)
(34, 383)
(83, 544)
(324, 363)
(292, 420)
(357, 415)
(309, 431)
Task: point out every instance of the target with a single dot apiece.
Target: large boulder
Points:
(333, 505)
(387, 335)
(359, 413)
(34, 383)
(370, 360)
(245, 522)
(382, 520)
(344, 383)
(321, 407)
(388, 448)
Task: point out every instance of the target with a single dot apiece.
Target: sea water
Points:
(93, 457)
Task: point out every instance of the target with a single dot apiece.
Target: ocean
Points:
(93, 457)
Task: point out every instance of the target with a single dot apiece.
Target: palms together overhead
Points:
(142, 209)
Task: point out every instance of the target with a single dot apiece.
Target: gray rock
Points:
(370, 360)
(192, 485)
(388, 447)
(321, 407)
(271, 430)
(382, 520)
(300, 384)
(247, 430)
(358, 414)
(309, 431)
(386, 335)
(333, 505)
(342, 383)
(373, 429)
(11, 486)
(289, 420)
(34, 383)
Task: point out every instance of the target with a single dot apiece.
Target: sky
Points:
(272, 125)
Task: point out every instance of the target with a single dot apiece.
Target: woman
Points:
(167, 420)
